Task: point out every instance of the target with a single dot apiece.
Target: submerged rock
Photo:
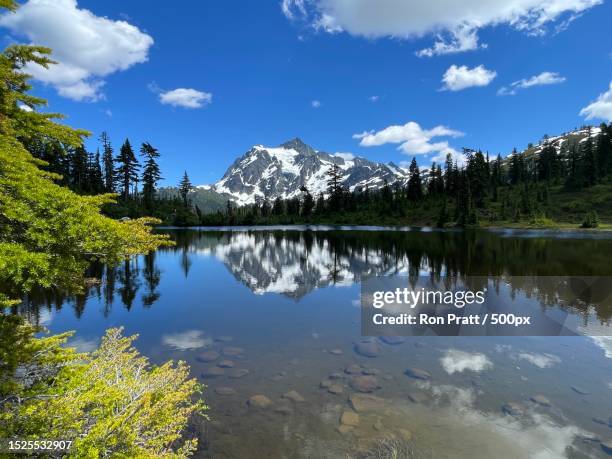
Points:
(225, 391)
(600, 421)
(370, 371)
(226, 364)
(232, 351)
(344, 429)
(606, 447)
(213, 372)
(540, 400)
(349, 418)
(417, 373)
(353, 369)
(336, 376)
(293, 396)
(235, 373)
(336, 352)
(417, 397)
(512, 409)
(335, 389)
(367, 348)
(284, 410)
(364, 383)
(325, 384)
(393, 340)
(208, 356)
(366, 402)
(259, 401)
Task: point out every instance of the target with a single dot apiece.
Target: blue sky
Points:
(254, 69)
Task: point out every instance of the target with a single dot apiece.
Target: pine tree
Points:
(109, 165)
(96, 181)
(185, 187)
(308, 203)
(127, 169)
(151, 173)
(79, 170)
(589, 161)
(415, 190)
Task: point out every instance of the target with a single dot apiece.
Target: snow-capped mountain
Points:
(271, 172)
(576, 136)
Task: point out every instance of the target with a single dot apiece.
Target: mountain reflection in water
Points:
(294, 263)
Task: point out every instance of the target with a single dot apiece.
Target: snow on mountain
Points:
(271, 172)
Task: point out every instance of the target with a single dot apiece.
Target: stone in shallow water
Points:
(349, 418)
(336, 352)
(364, 383)
(325, 384)
(366, 402)
(540, 400)
(284, 410)
(368, 348)
(418, 397)
(393, 339)
(235, 373)
(417, 373)
(606, 447)
(344, 429)
(293, 396)
(259, 401)
(208, 356)
(225, 391)
(226, 364)
(232, 351)
(336, 376)
(512, 409)
(213, 372)
(335, 389)
(353, 369)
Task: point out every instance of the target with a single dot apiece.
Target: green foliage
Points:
(110, 403)
(48, 234)
(591, 220)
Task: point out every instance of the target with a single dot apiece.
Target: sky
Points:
(387, 80)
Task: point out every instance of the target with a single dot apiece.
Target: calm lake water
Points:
(280, 306)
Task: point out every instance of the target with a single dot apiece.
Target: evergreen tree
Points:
(589, 161)
(127, 169)
(415, 190)
(151, 173)
(308, 203)
(109, 165)
(96, 181)
(185, 187)
(79, 170)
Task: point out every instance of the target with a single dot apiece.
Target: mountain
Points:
(272, 172)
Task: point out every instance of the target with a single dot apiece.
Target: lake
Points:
(275, 312)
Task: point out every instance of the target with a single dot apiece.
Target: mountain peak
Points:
(298, 145)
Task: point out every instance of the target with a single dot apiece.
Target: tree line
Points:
(516, 189)
(133, 177)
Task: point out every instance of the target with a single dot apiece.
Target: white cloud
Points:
(87, 47)
(456, 24)
(189, 339)
(459, 78)
(25, 108)
(315, 103)
(461, 40)
(185, 97)
(83, 345)
(544, 78)
(373, 98)
(601, 108)
(345, 156)
(455, 361)
(539, 360)
(412, 139)
(291, 7)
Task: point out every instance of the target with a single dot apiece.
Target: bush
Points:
(590, 220)
(110, 403)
